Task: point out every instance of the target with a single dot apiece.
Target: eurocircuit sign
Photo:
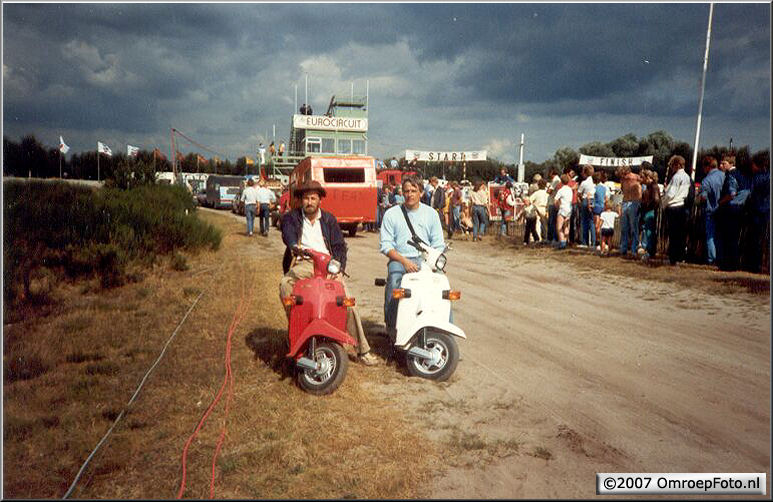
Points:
(325, 123)
(428, 156)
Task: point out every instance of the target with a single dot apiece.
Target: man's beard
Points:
(308, 211)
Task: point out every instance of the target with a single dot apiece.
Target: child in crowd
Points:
(529, 215)
(607, 217)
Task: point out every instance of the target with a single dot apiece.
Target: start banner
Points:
(427, 156)
(614, 161)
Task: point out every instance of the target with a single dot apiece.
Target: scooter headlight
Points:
(440, 263)
(333, 267)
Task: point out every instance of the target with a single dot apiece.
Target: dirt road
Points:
(567, 372)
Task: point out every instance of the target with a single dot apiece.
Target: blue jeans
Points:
(552, 231)
(249, 212)
(588, 236)
(456, 218)
(265, 219)
(503, 224)
(479, 218)
(711, 237)
(630, 226)
(650, 235)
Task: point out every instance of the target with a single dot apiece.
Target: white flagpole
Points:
(60, 162)
(521, 169)
(703, 87)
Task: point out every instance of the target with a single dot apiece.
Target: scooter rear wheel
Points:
(334, 365)
(447, 356)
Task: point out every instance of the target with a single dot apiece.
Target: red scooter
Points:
(318, 326)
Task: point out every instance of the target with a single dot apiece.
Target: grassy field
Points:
(92, 349)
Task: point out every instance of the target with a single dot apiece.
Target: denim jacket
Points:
(292, 226)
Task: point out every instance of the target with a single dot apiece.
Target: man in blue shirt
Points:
(502, 178)
(711, 188)
(394, 238)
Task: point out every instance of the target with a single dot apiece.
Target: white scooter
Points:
(423, 332)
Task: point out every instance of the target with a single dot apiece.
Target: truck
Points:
(350, 183)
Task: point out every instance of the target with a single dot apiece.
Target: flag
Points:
(248, 161)
(62, 147)
(132, 151)
(102, 148)
(157, 153)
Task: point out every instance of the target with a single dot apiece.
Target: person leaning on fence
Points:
(675, 208)
(711, 187)
(630, 183)
(650, 203)
(730, 214)
(311, 227)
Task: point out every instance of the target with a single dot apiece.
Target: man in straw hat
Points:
(310, 227)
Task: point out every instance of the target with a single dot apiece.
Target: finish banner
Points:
(614, 161)
(325, 123)
(445, 156)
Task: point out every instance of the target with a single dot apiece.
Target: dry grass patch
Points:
(280, 442)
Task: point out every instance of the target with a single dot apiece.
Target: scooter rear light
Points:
(401, 293)
(450, 294)
(343, 301)
(292, 300)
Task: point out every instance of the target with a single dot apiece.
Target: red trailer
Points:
(350, 183)
(392, 176)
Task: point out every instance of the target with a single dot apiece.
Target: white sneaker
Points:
(598, 248)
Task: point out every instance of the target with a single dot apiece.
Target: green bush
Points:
(81, 231)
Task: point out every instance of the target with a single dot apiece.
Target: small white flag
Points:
(62, 147)
(132, 151)
(102, 148)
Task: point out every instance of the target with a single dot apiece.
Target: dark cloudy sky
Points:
(441, 76)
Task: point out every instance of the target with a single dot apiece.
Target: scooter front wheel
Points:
(445, 356)
(333, 364)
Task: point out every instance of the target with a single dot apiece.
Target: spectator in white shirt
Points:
(586, 193)
(250, 199)
(675, 193)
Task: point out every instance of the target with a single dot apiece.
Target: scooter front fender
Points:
(427, 320)
(320, 327)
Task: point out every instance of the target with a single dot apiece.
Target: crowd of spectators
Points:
(724, 219)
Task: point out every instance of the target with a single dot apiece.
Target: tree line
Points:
(659, 144)
(30, 158)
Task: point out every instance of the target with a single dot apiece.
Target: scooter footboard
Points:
(320, 327)
(404, 336)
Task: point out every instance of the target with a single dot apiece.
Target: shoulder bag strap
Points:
(410, 227)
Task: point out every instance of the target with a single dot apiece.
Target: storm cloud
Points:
(440, 76)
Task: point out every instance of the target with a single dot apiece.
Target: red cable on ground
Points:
(238, 314)
(229, 374)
